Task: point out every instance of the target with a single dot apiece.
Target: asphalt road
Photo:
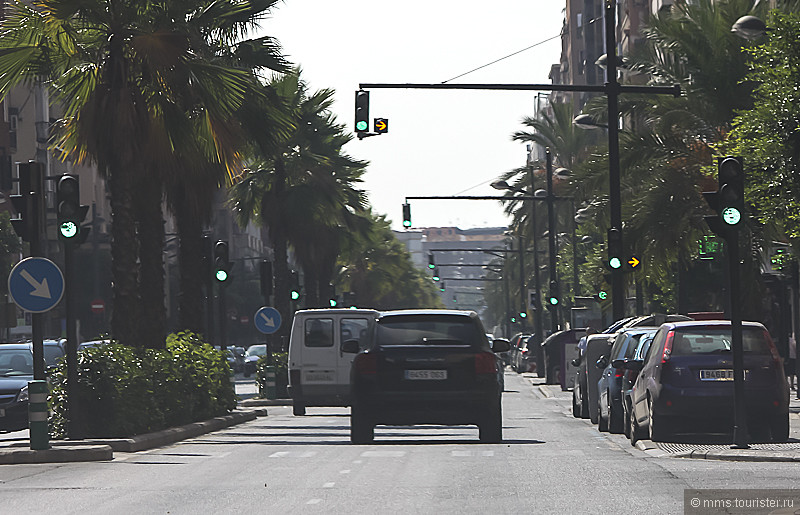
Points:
(548, 463)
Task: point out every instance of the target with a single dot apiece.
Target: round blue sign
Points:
(267, 320)
(36, 284)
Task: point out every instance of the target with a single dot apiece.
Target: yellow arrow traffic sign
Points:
(634, 262)
(381, 125)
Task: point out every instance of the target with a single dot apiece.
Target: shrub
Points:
(123, 391)
(279, 360)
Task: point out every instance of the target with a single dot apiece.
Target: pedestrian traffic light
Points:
(362, 111)
(406, 215)
(601, 295)
(441, 286)
(431, 263)
(69, 211)
(221, 262)
(614, 249)
(728, 200)
(266, 278)
(552, 298)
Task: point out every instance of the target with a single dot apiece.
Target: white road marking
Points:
(487, 453)
(280, 454)
(358, 461)
(314, 501)
(328, 485)
(383, 454)
(461, 454)
(293, 454)
(345, 471)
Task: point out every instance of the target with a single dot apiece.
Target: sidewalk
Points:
(765, 452)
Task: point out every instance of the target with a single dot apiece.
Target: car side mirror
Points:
(500, 345)
(619, 363)
(350, 346)
(635, 365)
(602, 362)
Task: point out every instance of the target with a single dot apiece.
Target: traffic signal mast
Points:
(221, 262)
(406, 215)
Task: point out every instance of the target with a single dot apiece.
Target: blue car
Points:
(610, 412)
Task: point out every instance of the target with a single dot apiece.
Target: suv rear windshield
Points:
(428, 330)
(710, 340)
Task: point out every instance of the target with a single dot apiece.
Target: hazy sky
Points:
(439, 142)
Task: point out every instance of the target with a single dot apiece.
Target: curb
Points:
(246, 403)
(727, 455)
(103, 449)
(545, 391)
(57, 454)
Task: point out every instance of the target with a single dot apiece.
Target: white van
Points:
(319, 372)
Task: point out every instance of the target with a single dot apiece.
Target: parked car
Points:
(629, 378)
(584, 393)
(501, 364)
(92, 343)
(686, 382)
(16, 370)
(234, 361)
(553, 353)
(426, 367)
(525, 358)
(610, 410)
(251, 357)
(54, 350)
(516, 344)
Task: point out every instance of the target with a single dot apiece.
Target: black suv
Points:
(426, 367)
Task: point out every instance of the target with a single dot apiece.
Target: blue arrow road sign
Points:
(267, 320)
(36, 284)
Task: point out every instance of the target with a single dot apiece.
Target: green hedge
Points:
(280, 360)
(124, 391)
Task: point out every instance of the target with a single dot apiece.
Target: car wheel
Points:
(490, 430)
(584, 404)
(298, 408)
(576, 409)
(658, 429)
(779, 427)
(626, 420)
(602, 422)
(616, 420)
(635, 430)
(362, 430)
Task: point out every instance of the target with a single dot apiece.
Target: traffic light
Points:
(333, 302)
(362, 111)
(69, 211)
(552, 298)
(435, 274)
(221, 262)
(441, 286)
(728, 200)
(266, 278)
(431, 263)
(601, 295)
(614, 249)
(28, 204)
(294, 294)
(406, 215)
(523, 314)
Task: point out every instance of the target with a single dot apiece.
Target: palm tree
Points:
(121, 70)
(567, 142)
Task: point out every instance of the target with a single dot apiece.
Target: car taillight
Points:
(776, 357)
(619, 372)
(668, 347)
(366, 363)
(485, 363)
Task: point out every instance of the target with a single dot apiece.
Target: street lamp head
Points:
(585, 121)
(562, 173)
(602, 61)
(540, 194)
(501, 185)
(749, 27)
(587, 239)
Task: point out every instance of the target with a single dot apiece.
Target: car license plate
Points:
(435, 375)
(319, 376)
(721, 374)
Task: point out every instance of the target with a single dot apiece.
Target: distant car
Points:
(426, 367)
(516, 344)
(686, 383)
(251, 357)
(16, 370)
(632, 367)
(609, 387)
(92, 343)
(54, 350)
(235, 362)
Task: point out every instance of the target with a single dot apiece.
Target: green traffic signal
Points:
(523, 314)
(332, 303)
(602, 295)
(295, 294)
(553, 301)
(68, 229)
(731, 215)
(615, 263)
(221, 275)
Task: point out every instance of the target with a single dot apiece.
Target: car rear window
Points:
(319, 332)
(709, 340)
(428, 330)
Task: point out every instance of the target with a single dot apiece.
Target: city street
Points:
(548, 463)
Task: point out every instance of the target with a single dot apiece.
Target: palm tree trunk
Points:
(191, 308)
(125, 318)
(151, 257)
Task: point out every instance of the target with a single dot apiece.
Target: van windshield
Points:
(428, 330)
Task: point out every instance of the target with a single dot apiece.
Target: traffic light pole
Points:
(551, 238)
(740, 436)
(73, 424)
